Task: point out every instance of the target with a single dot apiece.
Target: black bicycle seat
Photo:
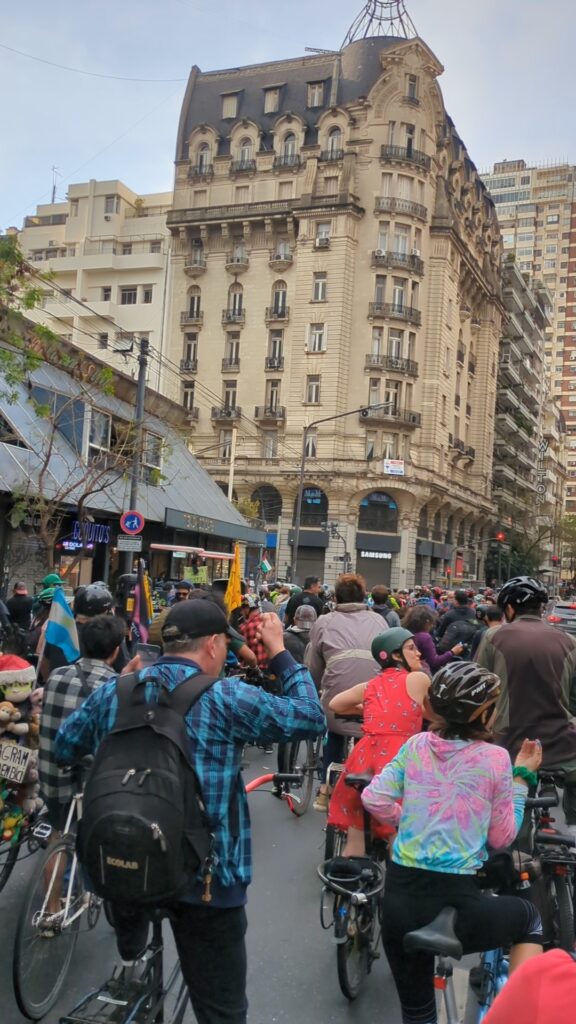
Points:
(359, 782)
(438, 937)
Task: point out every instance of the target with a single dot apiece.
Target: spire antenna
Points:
(382, 18)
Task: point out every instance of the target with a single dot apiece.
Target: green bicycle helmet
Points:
(388, 642)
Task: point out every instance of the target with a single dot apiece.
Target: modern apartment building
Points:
(529, 470)
(107, 251)
(537, 215)
(335, 277)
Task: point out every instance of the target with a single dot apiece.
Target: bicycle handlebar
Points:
(554, 839)
(543, 801)
(274, 777)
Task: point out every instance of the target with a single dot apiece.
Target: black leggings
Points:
(413, 897)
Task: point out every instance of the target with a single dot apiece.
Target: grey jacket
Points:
(338, 655)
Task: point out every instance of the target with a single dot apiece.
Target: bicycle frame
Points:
(75, 810)
(277, 778)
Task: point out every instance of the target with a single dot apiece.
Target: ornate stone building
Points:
(334, 249)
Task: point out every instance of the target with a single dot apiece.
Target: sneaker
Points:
(321, 801)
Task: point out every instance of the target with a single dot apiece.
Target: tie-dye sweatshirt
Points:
(458, 797)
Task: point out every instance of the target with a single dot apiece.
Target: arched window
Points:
(289, 146)
(246, 150)
(235, 298)
(379, 513)
(437, 535)
(203, 161)
(269, 501)
(279, 293)
(461, 538)
(314, 507)
(194, 301)
(335, 141)
(449, 538)
(472, 536)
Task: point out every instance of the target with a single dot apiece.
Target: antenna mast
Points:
(382, 18)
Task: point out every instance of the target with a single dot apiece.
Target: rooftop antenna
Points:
(55, 174)
(382, 18)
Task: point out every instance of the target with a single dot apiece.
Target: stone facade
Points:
(334, 249)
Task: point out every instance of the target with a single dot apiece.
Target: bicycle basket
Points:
(352, 875)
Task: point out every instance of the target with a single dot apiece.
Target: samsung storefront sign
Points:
(375, 554)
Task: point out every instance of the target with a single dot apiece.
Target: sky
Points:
(508, 81)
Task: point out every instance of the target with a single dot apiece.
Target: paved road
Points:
(292, 962)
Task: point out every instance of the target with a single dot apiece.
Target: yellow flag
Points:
(233, 595)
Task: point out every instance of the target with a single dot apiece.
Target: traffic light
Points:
(500, 536)
(448, 571)
(555, 560)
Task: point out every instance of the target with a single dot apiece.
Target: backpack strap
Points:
(131, 694)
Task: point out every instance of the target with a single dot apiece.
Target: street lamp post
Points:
(363, 409)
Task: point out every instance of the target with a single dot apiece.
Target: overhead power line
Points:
(81, 71)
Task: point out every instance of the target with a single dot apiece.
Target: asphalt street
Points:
(292, 961)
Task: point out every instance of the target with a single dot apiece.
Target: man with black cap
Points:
(209, 936)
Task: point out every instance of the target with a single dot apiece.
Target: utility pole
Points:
(232, 463)
(138, 430)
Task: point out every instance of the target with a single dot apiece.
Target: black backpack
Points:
(144, 832)
(459, 632)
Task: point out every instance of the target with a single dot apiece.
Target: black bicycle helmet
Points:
(94, 599)
(521, 590)
(461, 690)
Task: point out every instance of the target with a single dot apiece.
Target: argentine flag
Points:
(61, 628)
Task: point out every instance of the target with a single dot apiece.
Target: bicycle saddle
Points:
(438, 937)
(358, 782)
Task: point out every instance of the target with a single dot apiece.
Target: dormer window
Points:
(203, 158)
(271, 100)
(246, 150)
(230, 106)
(316, 94)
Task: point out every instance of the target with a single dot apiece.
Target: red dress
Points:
(390, 718)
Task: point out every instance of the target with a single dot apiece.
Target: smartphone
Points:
(148, 652)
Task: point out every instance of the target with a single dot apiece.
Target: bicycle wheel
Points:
(8, 857)
(45, 942)
(563, 912)
(302, 757)
(353, 954)
(334, 842)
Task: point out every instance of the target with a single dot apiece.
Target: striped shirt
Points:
(65, 690)
(228, 715)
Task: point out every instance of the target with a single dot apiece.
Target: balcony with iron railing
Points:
(201, 172)
(274, 313)
(399, 260)
(191, 316)
(394, 364)
(188, 365)
(405, 154)
(287, 161)
(236, 263)
(195, 265)
(193, 414)
(270, 413)
(230, 363)
(331, 154)
(242, 166)
(233, 316)
(274, 363)
(226, 412)
(387, 413)
(395, 311)
(280, 260)
(389, 204)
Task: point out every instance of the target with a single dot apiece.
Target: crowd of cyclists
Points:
(464, 696)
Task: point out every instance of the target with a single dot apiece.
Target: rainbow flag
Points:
(143, 609)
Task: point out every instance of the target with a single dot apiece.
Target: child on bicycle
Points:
(392, 706)
(459, 795)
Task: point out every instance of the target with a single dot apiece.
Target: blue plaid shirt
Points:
(230, 714)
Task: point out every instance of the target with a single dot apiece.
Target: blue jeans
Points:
(334, 748)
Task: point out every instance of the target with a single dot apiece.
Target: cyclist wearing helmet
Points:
(536, 664)
(392, 705)
(459, 795)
